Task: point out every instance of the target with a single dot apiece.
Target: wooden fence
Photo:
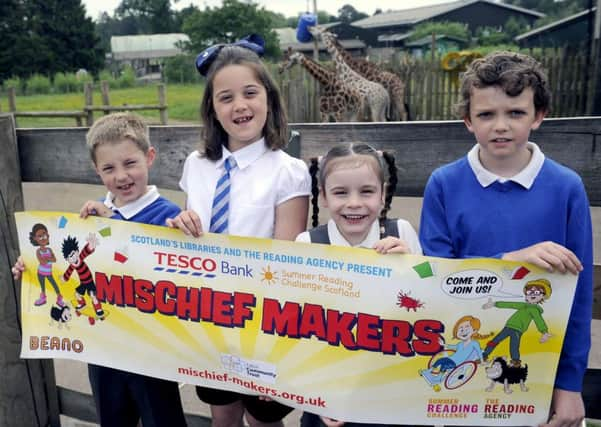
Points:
(29, 393)
(87, 112)
(432, 92)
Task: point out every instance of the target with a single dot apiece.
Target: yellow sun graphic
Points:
(269, 276)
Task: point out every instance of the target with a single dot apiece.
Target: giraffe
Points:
(393, 83)
(373, 94)
(337, 101)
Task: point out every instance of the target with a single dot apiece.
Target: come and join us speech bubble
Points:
(474, 284)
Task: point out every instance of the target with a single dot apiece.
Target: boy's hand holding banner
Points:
(336, 331)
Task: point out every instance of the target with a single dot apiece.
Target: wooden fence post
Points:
(28, 393)
(89, 101)
(12, 99)
(104, 89)
(162, 103)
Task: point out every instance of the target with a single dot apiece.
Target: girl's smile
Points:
(353, 195)
(240, 103)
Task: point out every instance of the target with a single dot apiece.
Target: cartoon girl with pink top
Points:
(39, 237)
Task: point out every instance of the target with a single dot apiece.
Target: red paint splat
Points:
(405, 301)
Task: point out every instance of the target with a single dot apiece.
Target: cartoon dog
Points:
(499, 371)
(61, 315)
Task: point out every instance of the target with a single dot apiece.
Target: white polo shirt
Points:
(406, 233)
(262, 180)
(525, 177)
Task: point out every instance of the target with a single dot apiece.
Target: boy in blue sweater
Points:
(122, 155)
(120, 149)
(504, 199)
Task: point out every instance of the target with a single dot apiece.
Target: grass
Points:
(183, 104)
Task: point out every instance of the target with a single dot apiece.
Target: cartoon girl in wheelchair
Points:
(457, 363)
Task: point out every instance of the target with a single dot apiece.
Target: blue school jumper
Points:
(462, 219)
(122, 398)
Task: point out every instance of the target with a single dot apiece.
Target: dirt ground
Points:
(70, 197)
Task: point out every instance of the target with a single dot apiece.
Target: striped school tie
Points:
(221, 201)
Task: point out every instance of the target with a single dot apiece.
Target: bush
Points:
(82, 79)
(66, 83)
(180, 69)
(15, 82)
(38, 84)
(106, 75)
(127, 77)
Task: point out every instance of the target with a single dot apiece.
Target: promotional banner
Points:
(342, 332)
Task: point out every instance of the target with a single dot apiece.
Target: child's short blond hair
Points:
(115, 128)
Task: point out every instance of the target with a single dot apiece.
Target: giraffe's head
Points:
(315, 30)
(290, 59)
(326, 36)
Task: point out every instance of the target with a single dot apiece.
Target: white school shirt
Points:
(406, 233)
(525, 177)
(262, 180)
(132, 208)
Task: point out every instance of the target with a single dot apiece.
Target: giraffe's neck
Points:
(343, 69)
(319, 73)
(360, 65)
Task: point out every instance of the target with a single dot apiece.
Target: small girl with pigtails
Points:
(350, 181)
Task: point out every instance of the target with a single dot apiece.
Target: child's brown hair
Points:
(512, 72)
(115, 128)
(385, 165)
(275, 129)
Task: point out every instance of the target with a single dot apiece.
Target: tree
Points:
(154, 16)
(553, 9)
(180, 16)
(67, 37)
(348, 14)
(323, 17)
(46, 36)
(228, 23)
(447, 28)
(278, 20)
(16, 43)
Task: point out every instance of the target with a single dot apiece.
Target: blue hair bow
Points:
(204, 59)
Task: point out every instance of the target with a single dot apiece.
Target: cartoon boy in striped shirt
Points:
(75, 258)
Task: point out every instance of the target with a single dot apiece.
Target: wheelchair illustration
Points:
(448, 377)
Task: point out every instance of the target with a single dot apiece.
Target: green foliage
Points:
(17, 43)
(348, 14)
(323, 17)
(107, 76)
(82, 79)
(489, 36)
(277, 19)
(16, 82)
(47, 37)
(38, 84)
(553, 9)
(127, 78)
(66, 83)
(153, 16)
(228, 23)
(515, 26)
(485, 50)
(447, 28)
(181, 69)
